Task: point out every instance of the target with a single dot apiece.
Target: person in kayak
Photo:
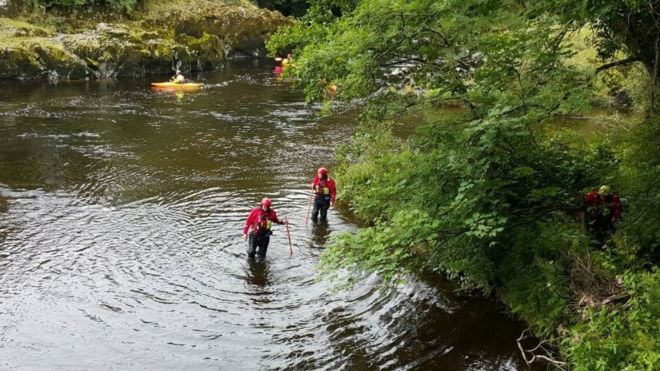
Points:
(324, 191)
(258, 224)
(178, 78)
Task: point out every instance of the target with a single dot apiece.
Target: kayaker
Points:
(324, 191)
(258, 224)
(602, 210)
(178, 78)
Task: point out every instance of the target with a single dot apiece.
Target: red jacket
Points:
(610, 205)
(327, 188)
(258, 217)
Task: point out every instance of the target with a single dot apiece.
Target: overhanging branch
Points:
(617, 63)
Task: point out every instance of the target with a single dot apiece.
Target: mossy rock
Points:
(207, 52)
(114, 51)
(194, 35)
(15, 28)
(243, 27)
(26, 58)
(55, 58)
(19, 63)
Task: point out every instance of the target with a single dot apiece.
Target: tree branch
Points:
(617, 63)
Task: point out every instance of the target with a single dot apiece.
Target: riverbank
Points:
(197, 35)
(583, 301)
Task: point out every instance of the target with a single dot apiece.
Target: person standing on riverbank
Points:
(258, 224)
(324, 192)
(602, 211)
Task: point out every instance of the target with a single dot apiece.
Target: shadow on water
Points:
(320, 234)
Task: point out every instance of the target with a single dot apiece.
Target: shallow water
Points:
(120, 240)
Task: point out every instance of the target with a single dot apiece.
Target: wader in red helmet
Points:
(258, 224)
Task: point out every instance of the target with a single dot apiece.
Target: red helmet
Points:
(266, 202)
(323, 171)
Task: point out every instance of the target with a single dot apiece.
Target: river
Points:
(120, 240)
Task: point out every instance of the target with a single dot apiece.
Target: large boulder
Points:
(28, 52)
(114, 50)
(242, 29)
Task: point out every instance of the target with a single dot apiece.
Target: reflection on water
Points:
(257, 273)
(320, 233)
(121, 212)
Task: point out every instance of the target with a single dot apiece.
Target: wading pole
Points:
(288, 234)
(309, 206)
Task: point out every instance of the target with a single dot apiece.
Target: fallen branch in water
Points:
(539, 352)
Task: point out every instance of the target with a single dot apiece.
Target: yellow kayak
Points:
(176, 86)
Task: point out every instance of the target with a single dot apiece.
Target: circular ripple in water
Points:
(120, 240)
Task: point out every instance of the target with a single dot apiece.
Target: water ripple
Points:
(121, 212)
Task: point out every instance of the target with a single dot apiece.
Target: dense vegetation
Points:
(489, 196)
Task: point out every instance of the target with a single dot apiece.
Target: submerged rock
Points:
(194, 36)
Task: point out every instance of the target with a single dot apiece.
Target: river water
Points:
(120, 240)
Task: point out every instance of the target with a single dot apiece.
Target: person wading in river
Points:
(324, 191)
(258, 224)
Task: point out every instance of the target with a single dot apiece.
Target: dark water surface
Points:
(120, 240)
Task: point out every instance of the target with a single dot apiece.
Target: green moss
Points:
(16, 28)
(17, 62)
(208, 49)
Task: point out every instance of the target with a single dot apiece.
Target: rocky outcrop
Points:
(197, 35)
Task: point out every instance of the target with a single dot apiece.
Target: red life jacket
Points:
(264, 221)
(260, 220)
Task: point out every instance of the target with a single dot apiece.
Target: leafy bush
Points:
(639, 177)
(623, 337)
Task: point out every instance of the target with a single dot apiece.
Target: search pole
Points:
(288, 234)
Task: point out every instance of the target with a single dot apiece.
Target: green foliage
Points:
(317, 24)
(489, 197)
(536, 272)
(625, 337)
(479, 184)
(639, 178)
(385, 247)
